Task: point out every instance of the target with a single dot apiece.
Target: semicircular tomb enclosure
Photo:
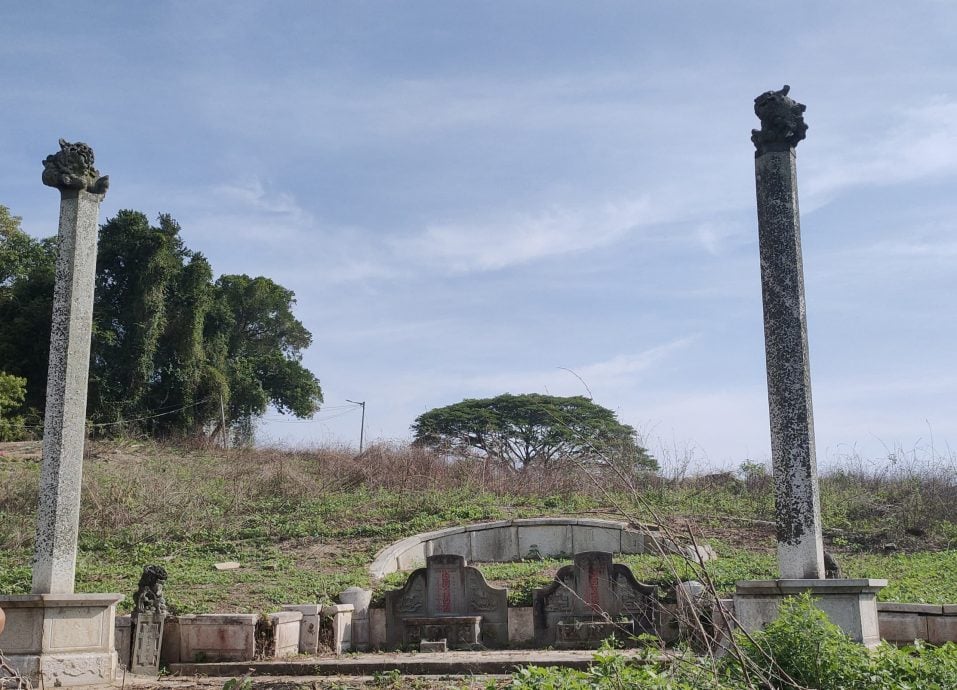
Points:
(513, 540)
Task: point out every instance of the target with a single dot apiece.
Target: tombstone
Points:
(450, 600)
(850, 603)
(591, 600)
(53, 636)
(149, 615)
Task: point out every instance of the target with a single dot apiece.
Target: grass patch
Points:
(305, 524)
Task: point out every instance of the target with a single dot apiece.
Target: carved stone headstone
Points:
(591, 600)
(149, 615)
(447, 599)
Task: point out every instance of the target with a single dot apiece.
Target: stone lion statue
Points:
(72, 168)
(149, 595)
(782, 121)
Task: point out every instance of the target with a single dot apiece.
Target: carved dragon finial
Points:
(782, 122)
(71, 168)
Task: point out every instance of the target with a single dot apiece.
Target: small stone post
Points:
(81, 190)
(796, 495)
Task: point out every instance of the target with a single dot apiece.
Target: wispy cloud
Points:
(921, 143)
(496, 243)
(598, 377)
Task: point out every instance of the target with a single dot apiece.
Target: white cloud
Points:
(922, 143)
(600, 378)
(493, 244)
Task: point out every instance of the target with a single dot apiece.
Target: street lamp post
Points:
(362, 428)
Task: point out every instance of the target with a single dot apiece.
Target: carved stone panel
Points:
(590, 600)
(446, 588)
(147, 641)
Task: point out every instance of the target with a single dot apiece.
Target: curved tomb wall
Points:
(512, 540)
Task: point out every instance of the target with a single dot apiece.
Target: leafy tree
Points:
(20, 254)
(522, 430)
(258, 344)
(170, 346)
(137, 266)
(13, 390)
(26, 306)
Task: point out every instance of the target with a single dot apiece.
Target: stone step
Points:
(418, 664)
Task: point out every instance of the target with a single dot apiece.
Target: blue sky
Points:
(471, 198)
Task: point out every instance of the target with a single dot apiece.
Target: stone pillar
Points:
(849, 604)
(796, 496)
(81, 191)
(55, 637)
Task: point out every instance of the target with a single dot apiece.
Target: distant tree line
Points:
(173, 350)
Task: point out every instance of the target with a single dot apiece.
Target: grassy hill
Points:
(304, 524)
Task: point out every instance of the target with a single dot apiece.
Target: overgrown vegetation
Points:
(798, 651)
(305, 524)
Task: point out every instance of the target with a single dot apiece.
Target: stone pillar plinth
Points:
(849, 604)
(796, 497)
(61, 639)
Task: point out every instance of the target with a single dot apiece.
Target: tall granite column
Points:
(796, 495)
(81, 190)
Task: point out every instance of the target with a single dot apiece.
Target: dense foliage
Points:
(173, 351)
(801, 650)
(522, 430)
(13, 390)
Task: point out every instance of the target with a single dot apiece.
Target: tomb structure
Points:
(450, 600)
(591, 600)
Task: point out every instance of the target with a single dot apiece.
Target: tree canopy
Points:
(531, 429)
(170, 344)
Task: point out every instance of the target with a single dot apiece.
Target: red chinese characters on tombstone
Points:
(592, 598)
(445, 590)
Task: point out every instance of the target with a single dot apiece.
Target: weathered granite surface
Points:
(797, 499)
(71, 171)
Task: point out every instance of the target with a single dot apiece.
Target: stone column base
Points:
(849, 604)
(61, 639)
